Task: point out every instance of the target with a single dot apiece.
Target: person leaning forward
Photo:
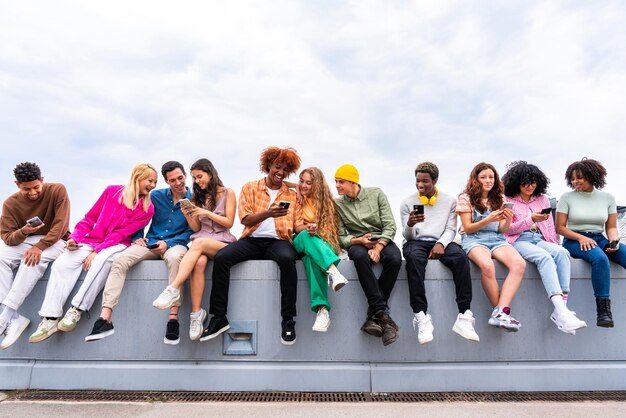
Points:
(366, 230)
(30, 246)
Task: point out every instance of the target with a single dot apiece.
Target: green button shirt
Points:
(369, 212)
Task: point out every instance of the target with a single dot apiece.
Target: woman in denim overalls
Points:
(483, 238)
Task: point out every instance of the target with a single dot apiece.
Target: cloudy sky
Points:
(88, 89)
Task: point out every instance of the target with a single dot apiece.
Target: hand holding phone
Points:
(611, 245)
(508, 205)
(283, 204)
(373, 238)
(184, 202)
(546, 211)
(153, 246)
(419, 209)
(34, 221)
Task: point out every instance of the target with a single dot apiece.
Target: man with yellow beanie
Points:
(366, 230)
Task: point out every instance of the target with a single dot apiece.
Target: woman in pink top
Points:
(105, 230)
(533, 235)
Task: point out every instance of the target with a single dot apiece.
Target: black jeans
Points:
(280, 251)
(416, 256)
(377, 291)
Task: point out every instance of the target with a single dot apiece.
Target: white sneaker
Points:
(196, 325)
(423, 324)
(46, 328)
(168, 298)
(3, 327)
(337, 279)
(567, 322)
(464, 326)
(500, 319)
(13, 331)
(69, 321)
(322, 321)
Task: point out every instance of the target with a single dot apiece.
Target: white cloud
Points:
(87, 90)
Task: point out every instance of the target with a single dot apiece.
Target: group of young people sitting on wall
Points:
(505, 219)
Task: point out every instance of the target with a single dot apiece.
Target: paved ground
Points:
(16, 409)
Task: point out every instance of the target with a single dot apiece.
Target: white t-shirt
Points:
(267, 228)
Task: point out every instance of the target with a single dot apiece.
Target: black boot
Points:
(371, 325)
(605, 318)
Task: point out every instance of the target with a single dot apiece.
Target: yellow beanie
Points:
(347, 172)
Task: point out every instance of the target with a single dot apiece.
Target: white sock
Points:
(8, 314)
(559, 304)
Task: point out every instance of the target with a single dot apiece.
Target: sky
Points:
(89, 89)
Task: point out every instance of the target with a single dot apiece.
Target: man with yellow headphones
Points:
(366, 230)
(429, 227)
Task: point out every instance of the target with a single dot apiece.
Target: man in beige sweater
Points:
(34, 227)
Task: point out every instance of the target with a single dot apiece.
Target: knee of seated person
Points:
(201, 263)
(284, 257)
(518, 266)
(487, 268)
(172, 257)
(357, 251)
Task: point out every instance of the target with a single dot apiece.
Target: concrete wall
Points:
(539, 357)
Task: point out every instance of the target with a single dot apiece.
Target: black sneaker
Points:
(172, 335)
(101, 329)
(216, 326)
(288, 336)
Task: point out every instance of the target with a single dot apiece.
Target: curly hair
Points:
(206, 197)
(286, 156)
(520, 173)
(428, 168)
(475, 190)
(591, 170)
(26, 172)
(325, 208)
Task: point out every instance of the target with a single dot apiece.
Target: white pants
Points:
(13, 291)
(64, 275)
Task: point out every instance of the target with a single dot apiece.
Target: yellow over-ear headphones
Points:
(429, 201)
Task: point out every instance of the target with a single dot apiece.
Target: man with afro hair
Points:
(269, 214)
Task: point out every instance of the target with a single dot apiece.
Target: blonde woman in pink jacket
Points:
(104, 231)
(533, 235)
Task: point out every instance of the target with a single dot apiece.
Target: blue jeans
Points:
(599, 260)
(551, 260)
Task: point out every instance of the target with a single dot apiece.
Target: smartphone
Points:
(34, 221)
(419, 209)
(284, 205)
(152, 246)
(545, 211)
(613, 244)
(184, 202)
(508, 205)
(372, 238)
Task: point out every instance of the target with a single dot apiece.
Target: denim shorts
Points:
(486, 239)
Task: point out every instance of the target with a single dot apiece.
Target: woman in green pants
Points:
(318, 240)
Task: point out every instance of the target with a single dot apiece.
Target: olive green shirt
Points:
(368, 212)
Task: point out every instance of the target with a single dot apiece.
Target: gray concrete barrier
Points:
(539, 357)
